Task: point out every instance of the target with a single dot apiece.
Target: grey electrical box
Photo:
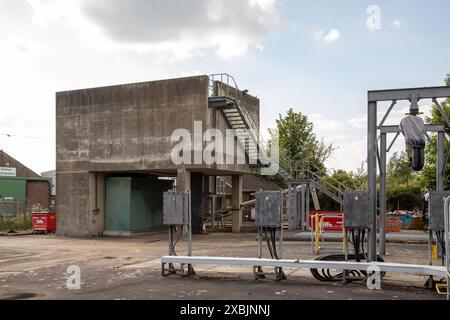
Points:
(356, 209)
(436, 209)
(269, 209)
(176, 208)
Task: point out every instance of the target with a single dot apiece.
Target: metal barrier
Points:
(318, 231)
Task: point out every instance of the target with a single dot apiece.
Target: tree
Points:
(404, 189)
(398, 170)
(298, 141)
(428, 175)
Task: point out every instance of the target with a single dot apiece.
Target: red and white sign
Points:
(331, 221)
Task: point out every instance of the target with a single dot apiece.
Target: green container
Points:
(135, 204)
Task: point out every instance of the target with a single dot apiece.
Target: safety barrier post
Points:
(317, 233)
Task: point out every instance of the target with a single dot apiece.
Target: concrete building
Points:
(114, 151)
(20, 187)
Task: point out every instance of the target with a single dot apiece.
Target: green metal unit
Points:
(134, 204)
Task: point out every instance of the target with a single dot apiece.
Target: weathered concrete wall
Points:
(125, 128)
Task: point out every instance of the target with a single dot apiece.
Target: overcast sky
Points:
(318, 57)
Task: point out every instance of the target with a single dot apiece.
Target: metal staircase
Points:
(322, 181)
(225, 95)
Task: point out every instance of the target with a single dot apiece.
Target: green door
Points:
(135, 203)
(118, 196)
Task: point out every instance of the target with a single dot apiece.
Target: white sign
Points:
(7, 172)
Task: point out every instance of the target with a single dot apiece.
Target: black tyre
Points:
(417, 159)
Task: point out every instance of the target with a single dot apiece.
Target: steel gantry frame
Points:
(377, 151)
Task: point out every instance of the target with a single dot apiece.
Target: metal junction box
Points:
(356, 209)
(269, 209)
(436, 209)
(176, 208)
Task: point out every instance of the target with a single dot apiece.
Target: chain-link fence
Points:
(14, 216)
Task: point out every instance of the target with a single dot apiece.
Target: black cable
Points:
(268, 243)
(274, 243)
(358, 238)
(325, 274)
(171, 240)
(179, 237)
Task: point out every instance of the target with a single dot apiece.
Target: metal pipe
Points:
(248, 203)
(372, 177)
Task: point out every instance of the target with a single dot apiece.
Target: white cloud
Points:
(397, 24)
(332, 36)
(171, 28)
(260, 47)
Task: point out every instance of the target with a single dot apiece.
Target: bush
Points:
(20, 222)
(404, 198)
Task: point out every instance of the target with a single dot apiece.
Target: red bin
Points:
(44, 222)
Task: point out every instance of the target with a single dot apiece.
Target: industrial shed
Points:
(20, 187)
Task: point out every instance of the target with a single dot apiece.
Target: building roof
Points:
(22, 171)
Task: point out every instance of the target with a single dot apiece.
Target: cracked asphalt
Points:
(35, 267)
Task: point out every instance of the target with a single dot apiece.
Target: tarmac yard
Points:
(36, 266)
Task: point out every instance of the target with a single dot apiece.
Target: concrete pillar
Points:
(183, 180)
(97, 203)
(237, 187)
(186, 182)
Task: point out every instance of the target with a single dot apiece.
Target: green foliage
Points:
(399, 173)
(298, 141)
(20, 222)
(428, 175)
(402, 197)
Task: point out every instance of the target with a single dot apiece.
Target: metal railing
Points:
(231, 90)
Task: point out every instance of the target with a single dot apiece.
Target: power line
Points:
(7, 135)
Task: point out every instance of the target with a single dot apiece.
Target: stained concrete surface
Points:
(34, 267)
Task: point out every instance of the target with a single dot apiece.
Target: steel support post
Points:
(307, 205)
(290, 212)
(383, 155)
(440, 162)
(302, 209)
(372, 177)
